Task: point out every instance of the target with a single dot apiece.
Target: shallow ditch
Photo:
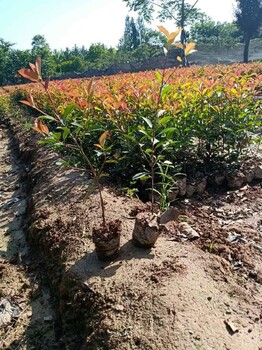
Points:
(27, 309)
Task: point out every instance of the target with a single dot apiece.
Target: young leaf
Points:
(102, 138)
(189, 48)
(40, 127)
(26, 103)
(172, 36)
(30, 101)
(178, 45)
(158, 76)
(33, 67)
(163, 30)
(29, 74)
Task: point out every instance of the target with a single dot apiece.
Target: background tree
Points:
(180, 11)
(132, 37)
(249, 20)
(208, 32)
(139, 42)
(5, 49)
(41, 48)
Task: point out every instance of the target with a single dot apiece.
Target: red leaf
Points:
(26, 103)
(29, 74)
(30, 101)
(40, 127)
(32, 66)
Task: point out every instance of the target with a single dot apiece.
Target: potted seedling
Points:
(69, 133)
(157, 139)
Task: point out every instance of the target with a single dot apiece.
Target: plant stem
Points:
(82, 152)
(153, 158)
(95, 176)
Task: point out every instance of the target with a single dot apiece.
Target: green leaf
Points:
(113, 161)
(62, 163)
(78, 125)
(47, 117)
(68, 110)
(158, 76)
(167, 130)
(65, 133)
(148, 121)
(165, 120)
(166, 89)
(141, 176)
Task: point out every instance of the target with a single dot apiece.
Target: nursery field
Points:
(135, 210)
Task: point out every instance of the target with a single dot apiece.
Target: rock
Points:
(188, 231)
(235, 179)
(48, 318)
(119, 307)
(258, 172)
(171, 214)
(235, 238)
(232, 329)
(191, 189)
(249, 174)
(7, 311)
(201, 186)
(219, 179)
(181, 184)
(172, 195)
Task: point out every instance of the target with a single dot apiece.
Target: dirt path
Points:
(27, 316)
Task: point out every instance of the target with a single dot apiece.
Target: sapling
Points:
(71, 130)
(146, 230)
(156, 131)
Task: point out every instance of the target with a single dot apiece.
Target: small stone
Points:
(48, 318)
(219, 179)
(119, 307)
(182, 185)
(232, 329)
(171, 214)
(187, 230)
(191, 189)
(201, 186)
(258, 172)
(235, 180)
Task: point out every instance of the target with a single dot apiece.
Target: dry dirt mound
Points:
(182, 294)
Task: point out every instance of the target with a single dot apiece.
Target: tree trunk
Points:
(246, 48)
(183, 35)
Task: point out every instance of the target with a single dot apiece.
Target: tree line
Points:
(139, 42)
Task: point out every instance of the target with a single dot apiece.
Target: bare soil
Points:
(185, 293)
